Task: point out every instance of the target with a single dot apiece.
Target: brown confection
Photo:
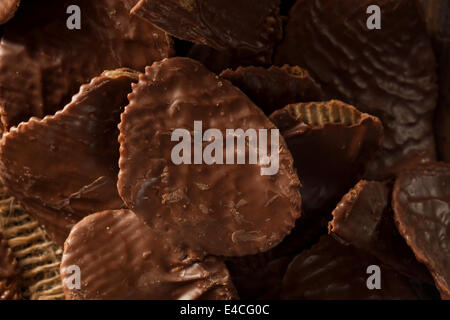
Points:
(64, 167)
(437, 17)
(9, 273)
(224, 209)
(389, 73)
(217, 61)
(119, 257)
(331, 143)
(421, 203)
(249, 28)
(7, 9)
(332, 271)
(43, 63)
(364, 219)
(275, 87)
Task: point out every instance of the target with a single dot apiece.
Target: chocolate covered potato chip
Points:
(7, 9)
(64, 167)
(364, 219)
(9, 273)
(118, 257)
(43, 62)
(275, 87)
(332, 271)
(246, 28)
(227, 198)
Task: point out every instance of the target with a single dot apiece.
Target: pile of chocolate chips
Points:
(358, 207)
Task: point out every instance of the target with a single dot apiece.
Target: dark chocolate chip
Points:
(389, 73)
(275, 87)
(119, 257)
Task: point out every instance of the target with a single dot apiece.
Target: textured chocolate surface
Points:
(275, 87)
(421, 203)
(64, 167)
(243, 211)
(331, 143)
(389, 73)
(250, 27)
(332, 271)
(9, 273)
(364, 219)
(217, 61)
(121, 258)
(43, 63)
(7, 9)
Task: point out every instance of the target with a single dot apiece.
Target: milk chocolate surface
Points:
(119, 257)
(258, 277)
(7, 9)
(217, 61)
(331, 143)
(421, 203)
(332, 271)
(389, 73)
(274, 88)
(244, 211)
(364, 219)
(64, 167)
(249, 28)
(43, 62)
(9, 272)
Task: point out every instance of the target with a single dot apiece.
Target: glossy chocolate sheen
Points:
(274, 88)
(421, 203)
(9, 273)
(389, 73)
(119, 257)
(331, 143)
(7, 9)
(224, 209)
(332, 271)
(64, 167)
(43, 63)
(251, 27)
(364, 219)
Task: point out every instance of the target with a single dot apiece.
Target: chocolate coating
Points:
(275, 87)
(389, 73)
(331, 143)
(258, 277)
(243, 211)
(421, 203)
(121, 258)
(9, 273)
(364, 219)
(43, 63)
(332, 271)
(217, 61)
(7, 9)
(64, 167)
(250, 27)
